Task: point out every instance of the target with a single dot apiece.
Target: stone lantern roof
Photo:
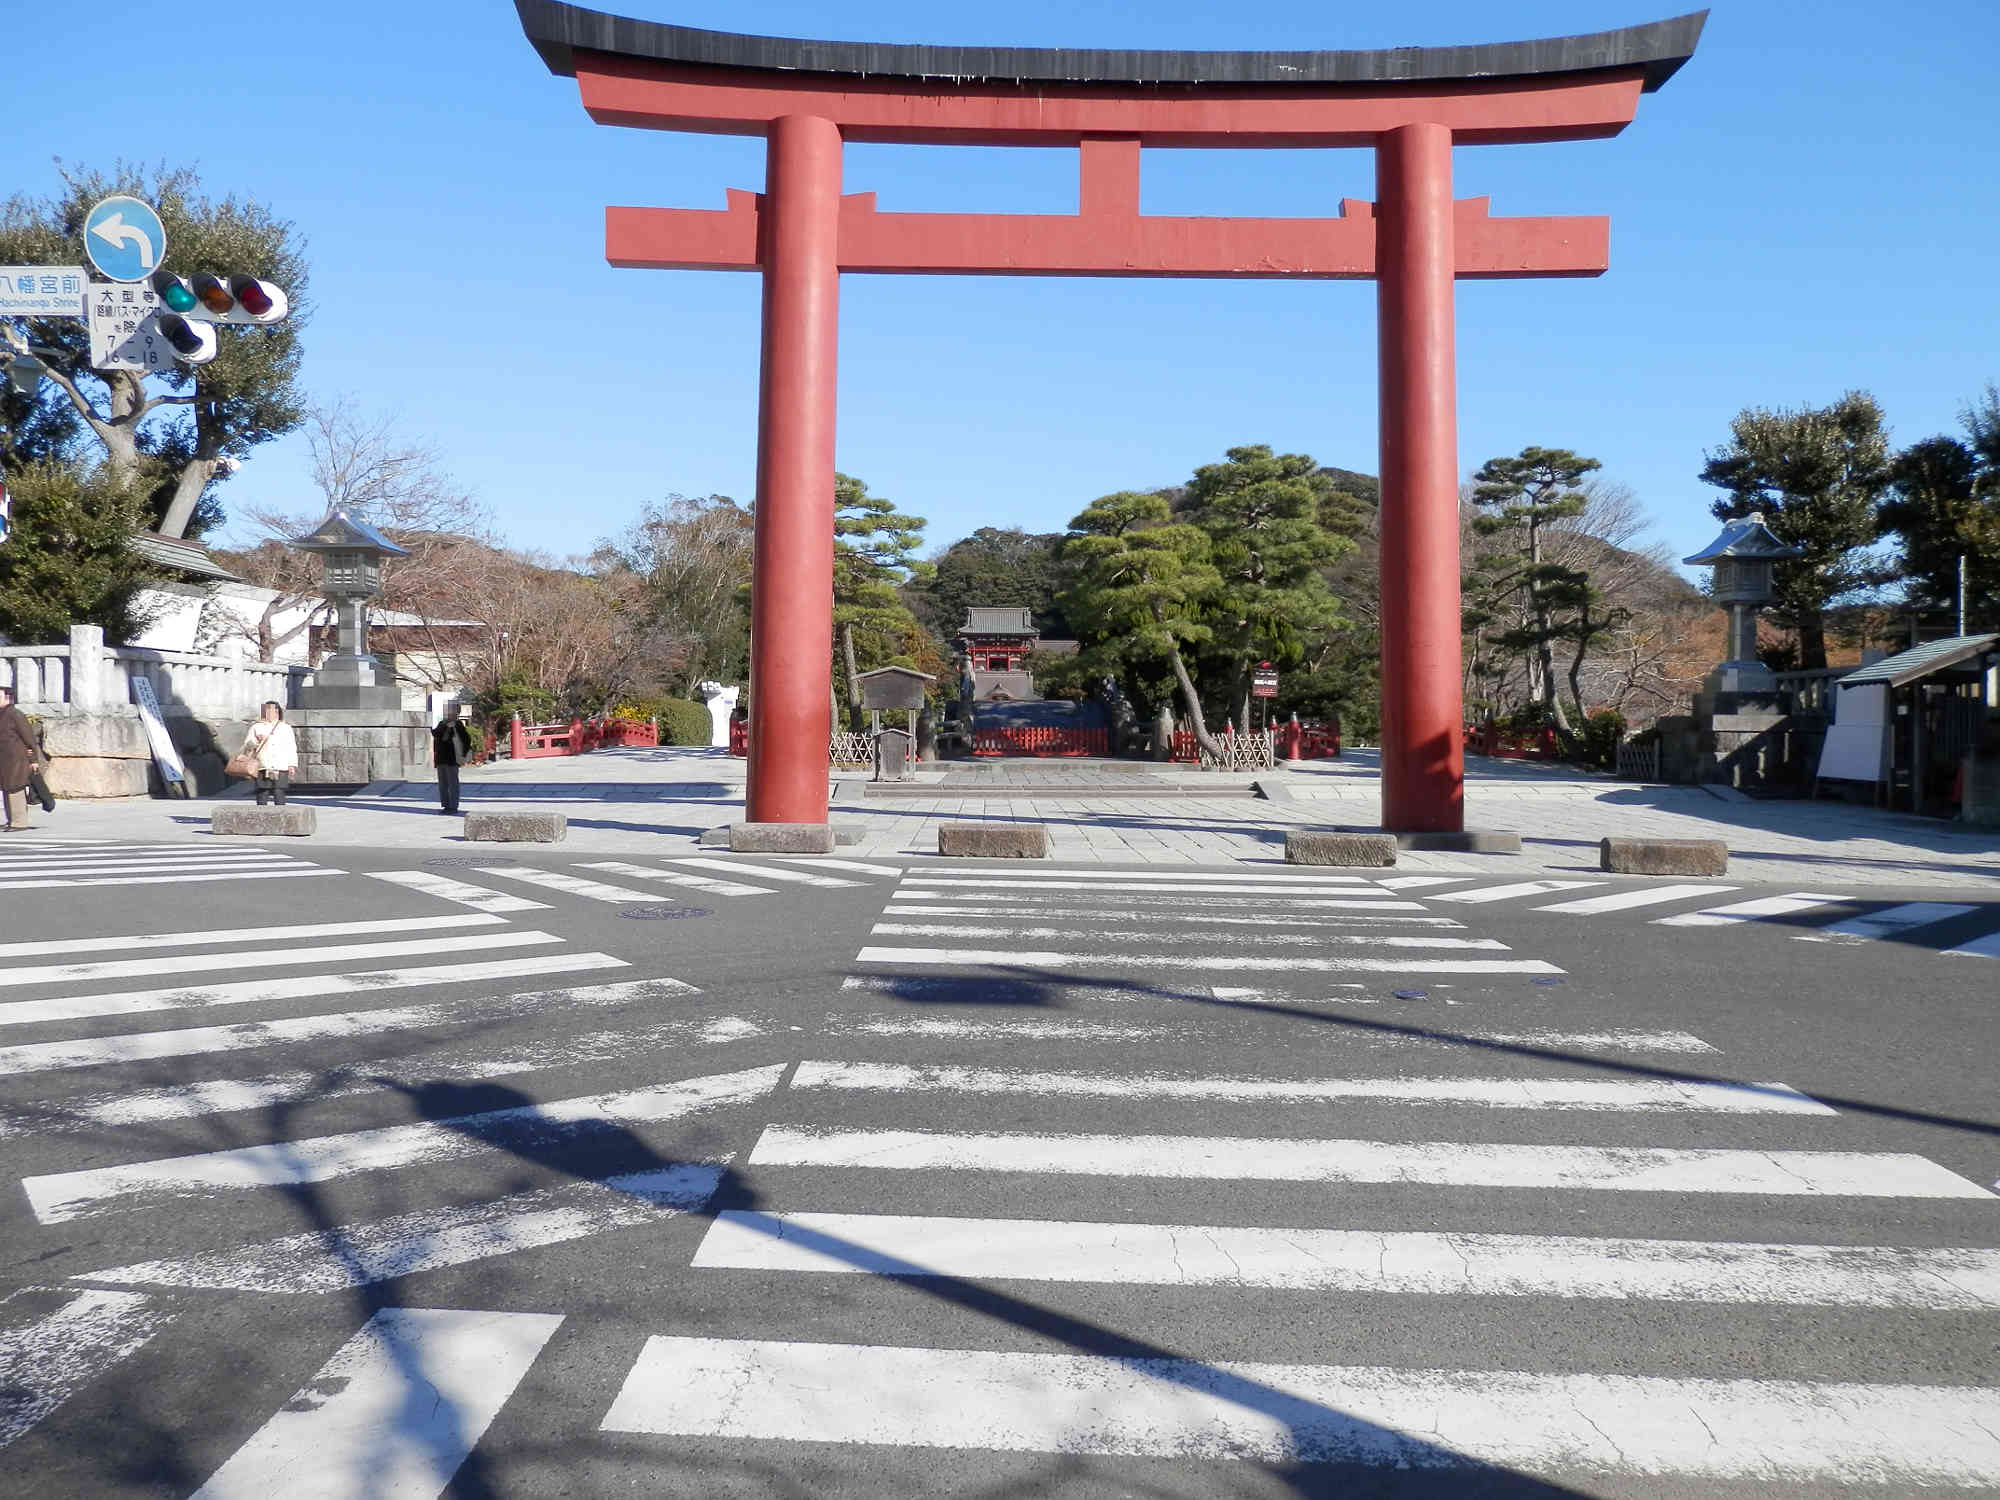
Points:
(1747, 540)
(340, 532)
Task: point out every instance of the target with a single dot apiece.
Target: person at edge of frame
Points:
(277, 750)
(451, 746)
(20, 761)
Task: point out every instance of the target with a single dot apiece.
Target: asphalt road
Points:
(707, 1177)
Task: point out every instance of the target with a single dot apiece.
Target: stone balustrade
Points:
(88, 677)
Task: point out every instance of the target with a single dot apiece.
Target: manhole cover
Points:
(663, 912)
(467, 862)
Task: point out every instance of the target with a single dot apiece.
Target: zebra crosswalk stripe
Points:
(1643, 1426)
(1750, 911)
(62, 1196)
(1264, 941)
(1657, 895)
(1510, 892)
(900, 906)
(571, 885)
(823, 862)
(260, 958)
(1982, 947)
(354, 1433)
(478, 897)
(276, 988)
(1881, 924)
(198, 1041)
(678, 877)
(226, 935)
(1622, 1169)
(45, 1361)
(1402, 1263)
(1017, 959)
(766, 872)
(127, 866)
(245, 872)
(1717, 1096)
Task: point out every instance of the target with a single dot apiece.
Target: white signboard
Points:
(41, 291)
(1857, 743)
(122, 333)
(165, 756)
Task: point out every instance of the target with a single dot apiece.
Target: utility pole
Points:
(1961, 593)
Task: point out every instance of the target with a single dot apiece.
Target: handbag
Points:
(244, 765)
(38, 786)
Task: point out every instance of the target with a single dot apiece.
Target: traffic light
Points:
(193, 343)
(209, 298)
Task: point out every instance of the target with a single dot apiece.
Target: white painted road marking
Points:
(1248, 879)
(1226, 898)
(1420, 882)
(1263, 940)
(122, 866)
(570, 885)
(478, 897)
(194, 1041)
(1509, 892)
(765, 872)
(45, 1362)
(678, 877)
(1881, 924)
(824, 862)
(61, 1196)
(223, 935)
(900, 905)
(247, 872)
(1984, 947)
(116, 1108)
(1656, 895)
(1750, 911)
(1623, 1169)
(1010, 958)
(1359, 895)
(1765, 1430)
(299, 987)
(262, 958)
(395, 1411)
(1419, 1263)
(1492, 1093)
(353, 1255)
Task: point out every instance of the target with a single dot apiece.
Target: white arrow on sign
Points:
(115, 231)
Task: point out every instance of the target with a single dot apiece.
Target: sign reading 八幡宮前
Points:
(41, 291)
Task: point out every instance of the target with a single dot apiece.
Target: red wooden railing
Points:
(577, 737)
(1040, 740)
(1490, 739)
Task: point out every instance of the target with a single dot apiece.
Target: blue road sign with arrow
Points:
(124, 238)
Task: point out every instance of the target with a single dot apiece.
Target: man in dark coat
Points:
(451, 746)
(19, 756)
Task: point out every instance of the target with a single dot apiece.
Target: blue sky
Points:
(1809, 206)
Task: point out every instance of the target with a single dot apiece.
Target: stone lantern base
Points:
(361, 744)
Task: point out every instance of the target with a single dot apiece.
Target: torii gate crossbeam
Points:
(1411, 106)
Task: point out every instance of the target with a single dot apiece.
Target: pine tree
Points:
(1141, 588)
(1523, 497)
(873, 553)
(1262, 515)
(1816, 473)
(68, 560)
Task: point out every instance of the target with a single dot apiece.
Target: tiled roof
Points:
(1922, 661)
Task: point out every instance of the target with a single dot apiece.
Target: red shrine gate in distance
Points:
(1411, 105)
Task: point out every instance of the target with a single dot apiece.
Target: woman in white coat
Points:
(277, 750)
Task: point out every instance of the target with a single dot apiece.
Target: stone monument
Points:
(721, 703)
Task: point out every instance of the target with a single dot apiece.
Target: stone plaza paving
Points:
(623, 801)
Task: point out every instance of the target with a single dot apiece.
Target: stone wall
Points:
(106, 754)
(351, 746)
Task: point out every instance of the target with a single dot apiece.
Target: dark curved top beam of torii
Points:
(650, 74)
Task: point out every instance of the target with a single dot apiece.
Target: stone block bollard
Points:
(1319, 846)
(1663, 856)
(252, 821)
(515, 828)
(781, 838)
(993, 840)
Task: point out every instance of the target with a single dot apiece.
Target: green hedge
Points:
(682, 722)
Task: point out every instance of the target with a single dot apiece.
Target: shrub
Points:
(682, 722)
(1597, 743)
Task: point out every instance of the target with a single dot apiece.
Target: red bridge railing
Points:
(577, 737)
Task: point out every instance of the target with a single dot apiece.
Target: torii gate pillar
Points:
(1411, 105)
(791, 597)
(1423, 759)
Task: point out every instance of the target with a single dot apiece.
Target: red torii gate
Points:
(1412, 105)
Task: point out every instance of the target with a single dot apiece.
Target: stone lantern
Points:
(353, 729)
(352, 553)
(1742, 558)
